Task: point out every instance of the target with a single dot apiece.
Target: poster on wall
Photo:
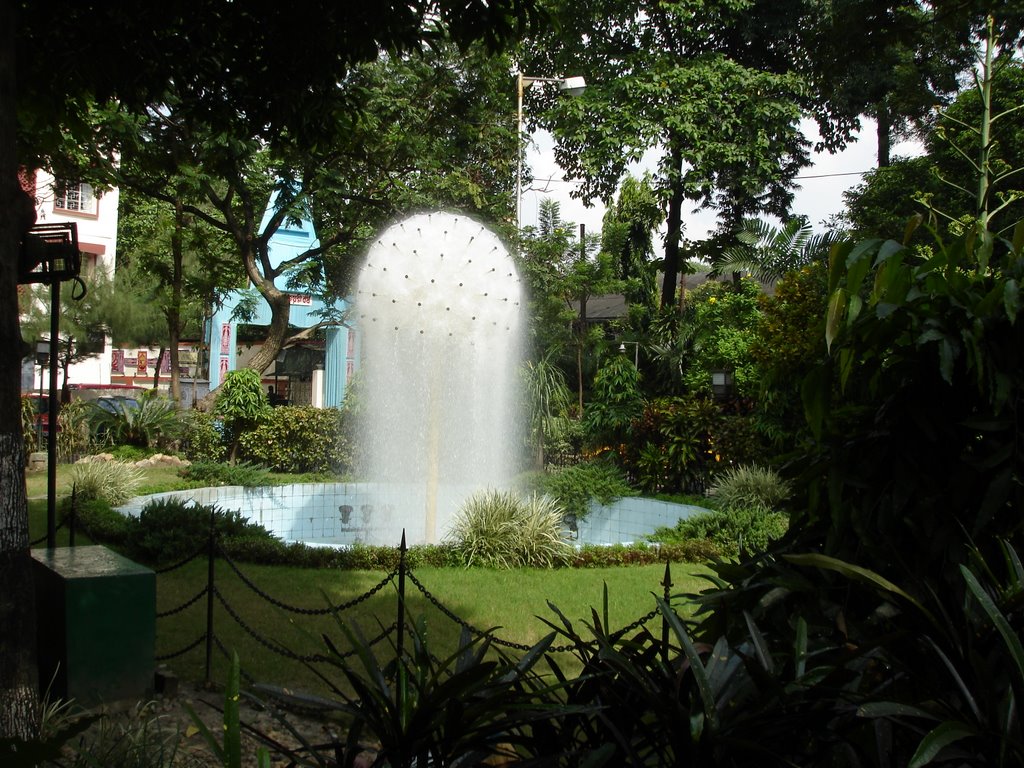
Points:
(117, 361)
(143, 362)
(165, 363)
(223, 367)
(225, 338)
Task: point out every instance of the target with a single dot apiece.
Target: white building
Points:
(96, 217)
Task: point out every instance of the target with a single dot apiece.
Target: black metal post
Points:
(73, 515)
(51, 440)
(400, 643)
(666, 587)
(211, 554)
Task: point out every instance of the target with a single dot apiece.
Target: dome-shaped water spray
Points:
(439, 304)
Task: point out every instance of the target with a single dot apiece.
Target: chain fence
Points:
(240, 611)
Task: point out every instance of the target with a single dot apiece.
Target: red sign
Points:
(225, 339)
(142, 361)
(117, 361)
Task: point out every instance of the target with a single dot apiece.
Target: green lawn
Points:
(512, 603)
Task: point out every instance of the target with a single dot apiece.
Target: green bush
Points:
(242, 405)
(729, 530)
(150, 420)
(501, 529)
(28, 425)
(74, 439)
(170, 529)
(131, 453)
(111, 481)
(298, 439)
(209, 473)
(750, 488)
(685, 551)
(99, 521)
(575, 487)
(201, 440)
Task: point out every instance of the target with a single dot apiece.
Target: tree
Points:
(692, 80)
(915, 54)
(769, 252)
(627, 233)
(249, 58)
(420, 133)
(956, 151)
(83, 320)
(178, 264)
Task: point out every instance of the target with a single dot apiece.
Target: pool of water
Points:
(343, 514)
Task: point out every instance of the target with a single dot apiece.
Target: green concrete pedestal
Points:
(96, 624)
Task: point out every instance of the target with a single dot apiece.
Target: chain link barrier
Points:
(183, 651)
(184, 606)
(330, 609)
(181, 564)
(214, 549)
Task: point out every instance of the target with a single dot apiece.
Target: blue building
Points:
(312, 374)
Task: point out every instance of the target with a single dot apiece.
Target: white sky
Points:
(819, 196)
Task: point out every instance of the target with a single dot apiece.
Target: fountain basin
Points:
(344, 514)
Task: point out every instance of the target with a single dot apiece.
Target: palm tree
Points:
(769, 252)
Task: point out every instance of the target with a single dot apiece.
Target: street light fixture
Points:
(570, 86)
(636, 351)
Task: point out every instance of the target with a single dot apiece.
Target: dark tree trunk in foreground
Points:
(18, 683)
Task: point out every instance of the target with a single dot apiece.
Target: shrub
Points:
(111, 481)
(28, 424)
(143, 422)
(73, 437)
(730, 530)
(131, 453)
(169, 529)
(504, 530)
(298, 439)
(99, 521)
(214, 473)
(242, 404)
(201, 440)
(750, 488)
(575, 487)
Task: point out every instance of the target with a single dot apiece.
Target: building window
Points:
(74, 197)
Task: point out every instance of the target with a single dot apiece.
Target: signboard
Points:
(225, 338)
(116, 361)
(300, 299)
(142, 361)
(223, 367)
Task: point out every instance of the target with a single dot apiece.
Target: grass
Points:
(510, 602)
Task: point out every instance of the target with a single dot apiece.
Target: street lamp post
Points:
(636, 351)
(571, 86)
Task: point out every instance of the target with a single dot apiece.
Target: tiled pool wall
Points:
(350, 513)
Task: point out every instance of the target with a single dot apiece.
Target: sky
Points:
(820, 194)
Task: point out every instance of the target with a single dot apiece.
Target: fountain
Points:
(440, 309)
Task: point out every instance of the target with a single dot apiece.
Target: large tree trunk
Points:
(19, 701)
(673, 235)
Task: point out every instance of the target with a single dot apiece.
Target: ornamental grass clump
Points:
(111, 481)
(500, 529)
(750, 487)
